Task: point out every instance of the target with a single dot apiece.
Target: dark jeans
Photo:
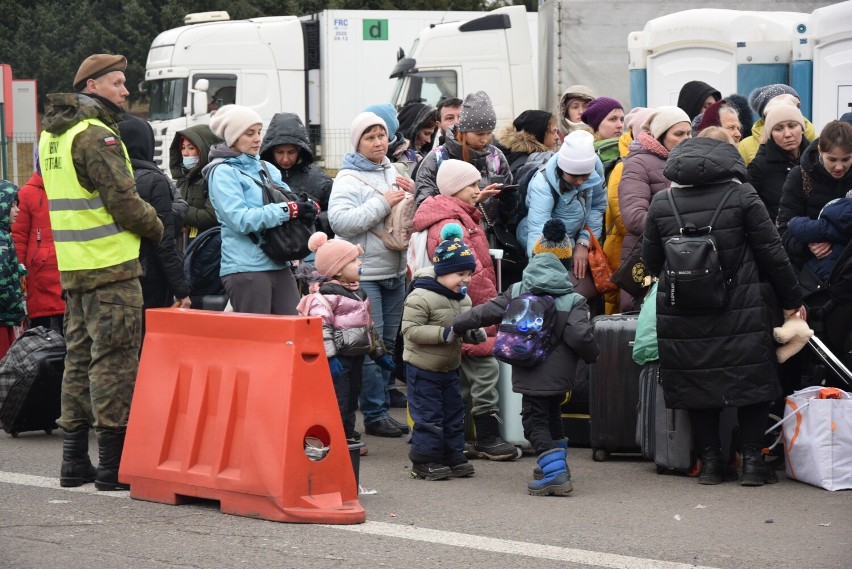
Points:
(542, 419)
(386, 302)
(347, 387)
(436, 406)
(752, 420)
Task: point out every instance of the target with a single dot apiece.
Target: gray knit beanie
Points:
(477, 114)
(758, 98)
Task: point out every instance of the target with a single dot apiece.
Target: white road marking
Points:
(523, 548)
(463, 540)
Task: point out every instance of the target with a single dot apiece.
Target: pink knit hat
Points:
(455, 175)
(332, 254)
(634, 120)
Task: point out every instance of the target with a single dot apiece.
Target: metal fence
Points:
(16, 157)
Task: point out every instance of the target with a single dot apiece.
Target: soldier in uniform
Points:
(97, 219)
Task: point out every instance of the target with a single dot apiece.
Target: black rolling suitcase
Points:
(665, 435)
(31, 382)
(576, 421)
(614, 387)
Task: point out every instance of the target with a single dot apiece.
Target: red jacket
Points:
(34, 245)
(433, 214)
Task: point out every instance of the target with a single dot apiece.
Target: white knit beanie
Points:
(663, 118)
(455, 175)
(577, 153)
(362, 124)
(231, 121)
(777, 114)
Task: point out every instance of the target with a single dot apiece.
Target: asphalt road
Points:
(621, 514)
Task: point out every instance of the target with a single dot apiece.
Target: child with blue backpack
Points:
(544, 329)
(432, 356)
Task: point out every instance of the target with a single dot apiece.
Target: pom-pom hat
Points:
(332, 254)
(554, 239)
(452, 255)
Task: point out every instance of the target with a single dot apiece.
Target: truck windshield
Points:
(427, 87)
(168, 98)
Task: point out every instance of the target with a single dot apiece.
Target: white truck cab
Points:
(491, 52)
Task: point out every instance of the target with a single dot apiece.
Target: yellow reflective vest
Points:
(85, 234)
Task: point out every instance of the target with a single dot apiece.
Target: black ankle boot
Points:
(489, 444)
(711, 466)
(755, 471)
(110, 447)
(77, 468)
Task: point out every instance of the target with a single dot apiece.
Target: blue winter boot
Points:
(555, 469)
(537, 473)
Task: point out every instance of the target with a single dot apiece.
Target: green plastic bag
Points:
(645, 347)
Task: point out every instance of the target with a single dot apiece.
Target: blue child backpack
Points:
(524, 335)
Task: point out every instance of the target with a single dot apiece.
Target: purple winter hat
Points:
(598, 109)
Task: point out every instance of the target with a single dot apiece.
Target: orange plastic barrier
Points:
(222, 406)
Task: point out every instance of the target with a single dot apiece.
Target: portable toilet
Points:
(734, 51)
(831, 41)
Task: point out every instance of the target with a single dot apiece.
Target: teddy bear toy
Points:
(792, 336)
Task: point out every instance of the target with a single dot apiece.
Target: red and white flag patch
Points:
(110, 141)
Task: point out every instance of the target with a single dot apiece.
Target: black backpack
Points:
(693, 275)
(536, 163)
(201, 263)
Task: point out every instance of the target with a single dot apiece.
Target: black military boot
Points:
(489, 444)
(110, 446)
(77, 468)
(711, 466)
(755, 470)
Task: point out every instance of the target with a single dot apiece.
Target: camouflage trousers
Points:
(103, 335)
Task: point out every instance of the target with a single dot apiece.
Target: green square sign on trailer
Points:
(375, 30)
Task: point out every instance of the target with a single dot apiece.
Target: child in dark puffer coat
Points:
(834, 225)
(347, 327)
(543, 387)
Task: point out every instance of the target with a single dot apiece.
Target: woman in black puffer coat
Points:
(780, 151)
(162, 264)
(287, 146)
(710, 359)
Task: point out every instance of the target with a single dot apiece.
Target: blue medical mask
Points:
(189, 162)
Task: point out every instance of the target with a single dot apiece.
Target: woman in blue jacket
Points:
(571, 189)
(254, 282)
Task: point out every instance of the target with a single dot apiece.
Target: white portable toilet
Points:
(831, 40)
(734, 51)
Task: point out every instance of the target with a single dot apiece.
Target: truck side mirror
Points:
(199, 97)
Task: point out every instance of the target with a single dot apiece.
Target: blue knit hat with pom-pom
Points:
(451, 254)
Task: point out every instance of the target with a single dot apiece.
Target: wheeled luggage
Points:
(614, 387)
(31, 382)
(667, 433)
(576, 420)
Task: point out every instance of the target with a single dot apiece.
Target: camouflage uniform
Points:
(104, 306)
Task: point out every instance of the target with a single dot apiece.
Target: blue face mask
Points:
(189, 162)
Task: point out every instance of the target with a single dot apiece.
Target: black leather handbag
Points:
(288, 241)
